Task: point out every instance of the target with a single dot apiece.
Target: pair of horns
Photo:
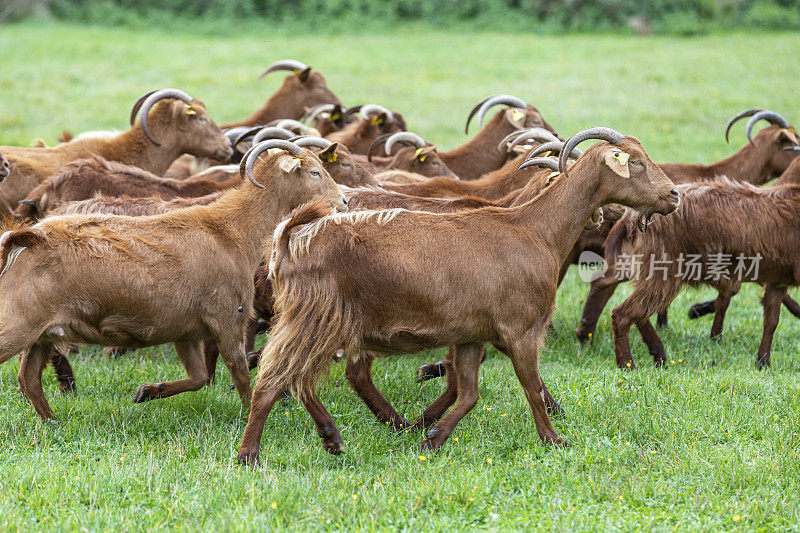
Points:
(388, 140)
(498, 99)
(291, 65)
(262, 133)
(755, 115)
(249, 159)
(522, 136)
(556, 147)
(146, 102)
(568, 148)
(366, 111)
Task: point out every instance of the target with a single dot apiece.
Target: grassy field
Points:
(708, 443)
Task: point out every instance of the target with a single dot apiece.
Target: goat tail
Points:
(313, 323)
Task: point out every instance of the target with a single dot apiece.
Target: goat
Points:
(188, 165)
(328, 118)
(417, 157)
(304, 88)
(391, 300)
(105, 279)
(180, 125)
(762, 159)
(375, 121)
(478, 156)
(84, 178)
(772, 150)
(760, 223)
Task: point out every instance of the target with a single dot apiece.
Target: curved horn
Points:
(272, 132)
(151, 100)
(369, 109)
(292, 65)
(137, 105)
(233, 133)
(377, 142)
(536, 134)
(312, 112)
(485, 105)
(769, 116)
(350, 111)
(604, 134)
(291, 124)
(406, 137)
(249, 159)
(732, 121)
(555, 147)
(310, 140)
(552, 164)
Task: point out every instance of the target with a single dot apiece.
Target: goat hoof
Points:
(248, 458)
(762, 364)
(628, 366)
(558, 442)
(429, 445)
(583, 336)
(334, 447)
(142, 394)
(252, 360)
(431, 371)
(67, 387)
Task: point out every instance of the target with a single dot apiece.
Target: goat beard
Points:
(643, 221)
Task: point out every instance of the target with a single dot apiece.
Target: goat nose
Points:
(674, 192)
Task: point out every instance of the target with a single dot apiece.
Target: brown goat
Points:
(302, 89)
(375, 121)
(479, 155)
(758, 223)
(368, 291)
(5, 168)
(82, 179)
(105, 279)
(177, 124)
(418, 157)
(774, 149)
(130, 206)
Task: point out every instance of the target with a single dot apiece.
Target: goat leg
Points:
(31, 366)
(662, 318)
(358, 373)
(621, 325)
(771, 301)
(466, 362)
(720, 308)
(600, 292)
(326, 427)
(197, 375)
(652, 340)
(261, 404)
(431, 371)
(791, 305)
(702, 309)
(64, 374)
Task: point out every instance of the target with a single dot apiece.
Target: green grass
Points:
(708, 443)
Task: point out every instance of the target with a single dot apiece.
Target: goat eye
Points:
(347, 166)
(314, 172)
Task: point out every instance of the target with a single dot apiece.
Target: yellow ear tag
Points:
(332, 157)
(418, 156)
(622, 157)
(377, 121)
(516, 114)
(546, 154)
(792, 130)
(191, 110)
(333, 118)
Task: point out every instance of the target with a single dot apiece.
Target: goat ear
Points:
(329, 154)
(304, 74)
(789, 135)
(617, 160)
(516, 117)
(379, 120)
(182, 112)
(289, 164)
(422, 153)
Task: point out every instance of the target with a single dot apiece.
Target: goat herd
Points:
(352, 238)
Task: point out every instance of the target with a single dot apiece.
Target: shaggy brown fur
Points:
(5, 168)
(169, 121)
(82, 179)
(135, 207)
(141, 281)
(758, 221)
(480, 155)
(299, 91)
(358, 287)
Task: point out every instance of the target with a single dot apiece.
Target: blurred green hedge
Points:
(685, 17)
